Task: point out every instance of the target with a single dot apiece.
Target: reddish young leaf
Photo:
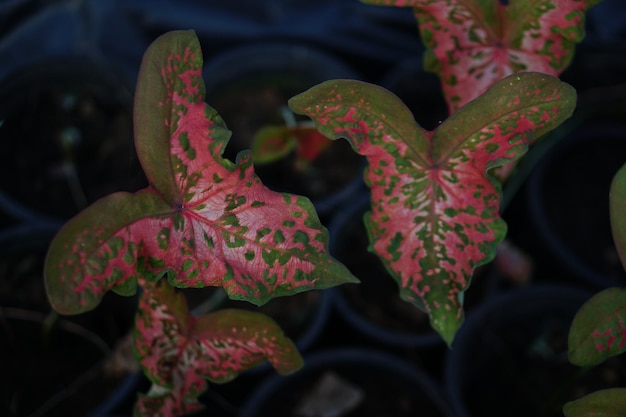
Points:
(274, 142)
(598, 330)
(179, 352)
(474, 43)
(204, 219)
(310, 143)
(604, 403)
(434, 209)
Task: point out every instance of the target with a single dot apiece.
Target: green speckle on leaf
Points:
(156, 262)
(188, 263)
(301, 237)
(186, 145)
(395, 245)
(261, 233)
(279, 237)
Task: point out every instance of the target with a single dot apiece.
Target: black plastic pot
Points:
(249, 86)
(510, 356)
(419, 90)
(347, 382)
(568, 197)
(52, 365)
(67, 138)
(374, 307)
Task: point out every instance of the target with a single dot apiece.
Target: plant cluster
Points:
(206, 221)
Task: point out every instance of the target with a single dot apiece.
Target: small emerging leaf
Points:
(179, 352)
(604, 403)
(274, 142)
(435, 210)
(205, 220)
(271, 143)
(474, 43)
(598, 330)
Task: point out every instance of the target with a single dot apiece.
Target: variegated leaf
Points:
(434, 211)
(598, 330)
(474, 43)
(204, 219)
(179, 352)
(617, 212)
(604, 403)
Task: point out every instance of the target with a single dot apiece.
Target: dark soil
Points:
(519, 367)
(385, 394)
(67, 138)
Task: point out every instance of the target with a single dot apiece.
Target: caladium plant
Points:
(598, 331)
(435, 207)
(273, 142)
(474, 43)
(203, 221)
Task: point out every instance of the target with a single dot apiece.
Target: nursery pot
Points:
(67, 138)
(419, 90)
(510, 356)
(52, 365)
(348, 382)
(249, 87)
(568, 196)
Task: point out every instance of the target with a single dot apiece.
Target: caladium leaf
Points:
(204, 219)
(604, 403)
(474, 43)
(598, 330)
(434, 209)
(179, 352)
(617, 212)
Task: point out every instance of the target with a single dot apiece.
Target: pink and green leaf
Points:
(598, 330)
(617, 212)
(474, 43)
(435, 210)
(604, 403)
(180, 352)
(204, 219)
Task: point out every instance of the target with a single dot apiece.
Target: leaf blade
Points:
(598, 330)
(474, 43)
(179, 352)
(421, 180)
(93, 253)
(604, 403)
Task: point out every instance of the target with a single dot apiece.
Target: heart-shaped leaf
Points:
(434, 211)
(598, 330)
(604, 403)
(179, 352)
(474, 43)
(203, 219)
